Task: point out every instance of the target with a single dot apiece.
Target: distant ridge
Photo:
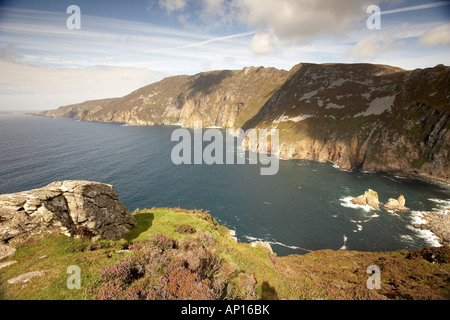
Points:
(367, 116)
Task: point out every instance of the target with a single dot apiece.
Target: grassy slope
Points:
(323, 274)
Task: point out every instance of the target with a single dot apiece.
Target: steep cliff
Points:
(376, 118)
(217, 98)
(373, 117)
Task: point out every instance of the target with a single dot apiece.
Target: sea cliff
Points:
(373, 117)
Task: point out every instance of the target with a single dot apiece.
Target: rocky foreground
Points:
(73, 207)
(168, 253)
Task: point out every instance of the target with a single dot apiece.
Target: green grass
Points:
(418, 163)
(322, 274)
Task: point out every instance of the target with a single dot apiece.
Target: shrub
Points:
(206, 238)
(163, 242)
(190, 271)
(185, 228)
(77, 231)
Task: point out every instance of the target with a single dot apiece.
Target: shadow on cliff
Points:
(144, 221)
(206, 82)
(272, 108)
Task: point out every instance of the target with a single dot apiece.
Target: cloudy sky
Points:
(124, 45)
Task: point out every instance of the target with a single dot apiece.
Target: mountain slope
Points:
(373, 117)
(377, 118)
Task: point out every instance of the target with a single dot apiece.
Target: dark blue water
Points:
(35, 151)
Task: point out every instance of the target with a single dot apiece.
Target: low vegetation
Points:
(186, 254)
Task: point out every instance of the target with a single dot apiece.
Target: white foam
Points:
(344, 247)
(427, 235)
(337, 167)
(277, 243)
(347, 202)
(442, 206)
(418, 218)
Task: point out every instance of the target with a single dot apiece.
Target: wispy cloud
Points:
(418, 7)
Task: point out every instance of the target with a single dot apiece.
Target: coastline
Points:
(437, 222)
(402, 175)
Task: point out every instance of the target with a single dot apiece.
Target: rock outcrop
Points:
(438, 224)
(26, 277)
(73, 207)
(369, 197)
(396, 204)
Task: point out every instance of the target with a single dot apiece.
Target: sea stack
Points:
(369, 197)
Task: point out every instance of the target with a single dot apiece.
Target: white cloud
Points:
(172, 5)
(437, 36)
(27, 87)
(418, 7)
(372, 46)
(264, 43)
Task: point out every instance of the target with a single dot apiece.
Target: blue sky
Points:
(122, 45)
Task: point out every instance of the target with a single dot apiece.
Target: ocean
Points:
(304, 207)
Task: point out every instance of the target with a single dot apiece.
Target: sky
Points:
(121, 46)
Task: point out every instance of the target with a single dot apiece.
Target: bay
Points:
(304, 207)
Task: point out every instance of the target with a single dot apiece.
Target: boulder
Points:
(396, 204)
(6, 251)
(76, 207)
(7, 264)
(24, 278)
(369, 197)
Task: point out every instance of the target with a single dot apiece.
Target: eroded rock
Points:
(24, 278)
(369, 197)
(396, 204)
(72, 206)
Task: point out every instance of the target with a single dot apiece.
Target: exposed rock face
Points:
(369, 197)
(6, 251)
(24, 278)
(439, 224)
(70, 206)
(396, 204)
(373, 117)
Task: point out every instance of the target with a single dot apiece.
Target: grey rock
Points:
(396, 204)
(24, 278)
(6, 264)
(6, 251)
(65, 206)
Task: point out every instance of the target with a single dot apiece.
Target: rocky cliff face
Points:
(74, 207)
(218, 98)
(373, 117)
(377, 118)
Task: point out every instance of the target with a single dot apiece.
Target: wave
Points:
(443, 206)
(417, 218)
(277, 243)
(344, 246)
(339, 168)
(427, 235)
(347, 202)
